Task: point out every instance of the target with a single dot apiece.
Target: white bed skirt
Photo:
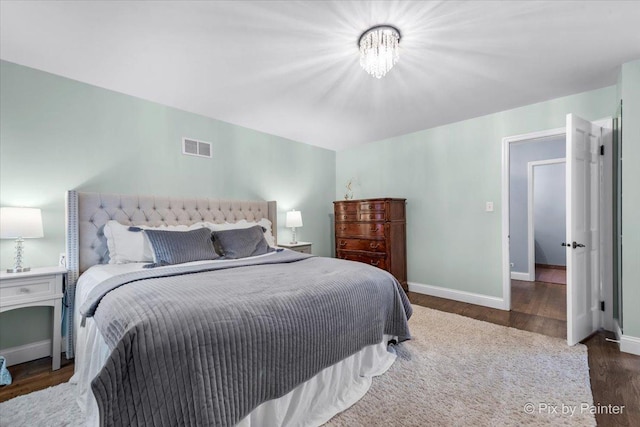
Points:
(312, 403)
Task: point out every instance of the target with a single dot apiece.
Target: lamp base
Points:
(18, 269)
(17, 262)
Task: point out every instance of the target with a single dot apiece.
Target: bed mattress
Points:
(330, 390)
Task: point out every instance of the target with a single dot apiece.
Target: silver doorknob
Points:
(577, 245)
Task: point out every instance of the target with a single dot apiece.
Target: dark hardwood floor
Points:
(35, 375)
(615, 376)
(551, 274)
(548, 300)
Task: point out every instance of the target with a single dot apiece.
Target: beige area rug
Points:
(455, 372)
(459, 371)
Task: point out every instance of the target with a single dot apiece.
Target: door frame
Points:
(530, 212)
(506, 148)
(606, 224)
(606, 257)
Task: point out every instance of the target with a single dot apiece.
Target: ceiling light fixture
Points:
(379, 49)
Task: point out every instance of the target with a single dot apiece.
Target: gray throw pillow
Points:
(242, 242)
(176, 247)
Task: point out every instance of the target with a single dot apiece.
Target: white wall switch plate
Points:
(489, 207)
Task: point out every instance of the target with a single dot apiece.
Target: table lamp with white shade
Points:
(20, 224)
(294, 219)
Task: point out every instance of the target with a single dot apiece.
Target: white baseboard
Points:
(28, 352)
(628, 344)
(453, 294)
(24, 353)
(516, 275)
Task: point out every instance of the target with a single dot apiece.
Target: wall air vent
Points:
(194, 147)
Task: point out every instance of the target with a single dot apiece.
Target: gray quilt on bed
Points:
(205, 348)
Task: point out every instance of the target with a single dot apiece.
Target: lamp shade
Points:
(294, 219)
(20, 222)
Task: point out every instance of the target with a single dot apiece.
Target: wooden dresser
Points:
(373, 231)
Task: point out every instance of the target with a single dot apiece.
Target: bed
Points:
(279, 338)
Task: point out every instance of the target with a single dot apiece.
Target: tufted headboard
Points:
(87, 213)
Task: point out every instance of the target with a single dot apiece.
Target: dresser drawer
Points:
(376, 260)
(346, 217)
(371, 229)
(371, 206)
(372, 216)
(345, 207)
(361, 216)
(362, 245)
(18, 289)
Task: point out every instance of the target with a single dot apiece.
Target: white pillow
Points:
(133, 246)
(271, 241)
(243, 223)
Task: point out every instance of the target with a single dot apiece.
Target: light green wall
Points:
(58, 134)
(629, 85)
(447, 174)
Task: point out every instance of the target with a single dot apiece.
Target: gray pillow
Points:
(176, 247)
(242, 242)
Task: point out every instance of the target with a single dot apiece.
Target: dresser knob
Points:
(344, 216)
(24, 290)
(374, 229)
(374, 245)
(375, 264)
(343, 243)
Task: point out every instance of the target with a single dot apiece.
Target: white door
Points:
(583, 277)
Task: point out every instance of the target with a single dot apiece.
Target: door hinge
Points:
(602, 150)
(601, 305)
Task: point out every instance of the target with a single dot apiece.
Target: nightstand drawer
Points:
(18, 289)
(302, 247)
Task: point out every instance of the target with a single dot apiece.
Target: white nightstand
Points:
(38, 287)
(303, 247)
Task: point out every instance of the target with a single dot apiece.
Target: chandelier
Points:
(379, 49)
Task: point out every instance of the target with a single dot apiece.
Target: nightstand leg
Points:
(56, 338)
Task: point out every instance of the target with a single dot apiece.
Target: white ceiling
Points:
(292, 68)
